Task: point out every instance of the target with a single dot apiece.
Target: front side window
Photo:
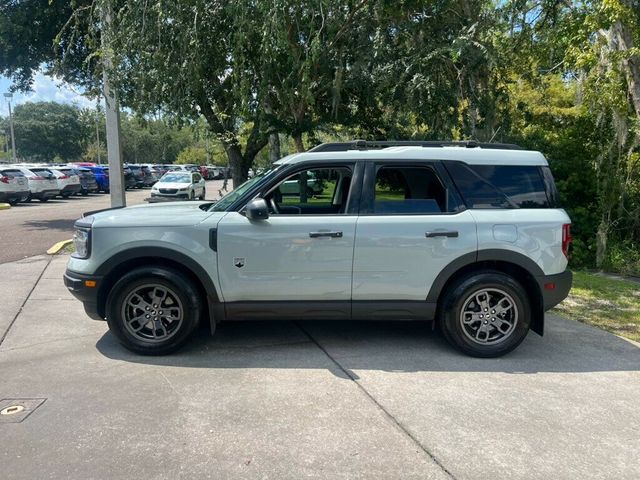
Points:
(408, 191)
(317, 191)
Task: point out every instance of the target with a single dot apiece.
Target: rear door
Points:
(411, 226)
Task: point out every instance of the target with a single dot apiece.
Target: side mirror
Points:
(257, 209)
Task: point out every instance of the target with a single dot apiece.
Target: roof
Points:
(476, 155)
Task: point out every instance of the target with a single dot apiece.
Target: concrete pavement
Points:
(310, 399)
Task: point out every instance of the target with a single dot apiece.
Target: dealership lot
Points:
(320, 400)
(31, 228)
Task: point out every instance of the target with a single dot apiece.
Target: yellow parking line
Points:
(58, 246)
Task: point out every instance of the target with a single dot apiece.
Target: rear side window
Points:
(409, 190)
(503, 186)
(11, 173)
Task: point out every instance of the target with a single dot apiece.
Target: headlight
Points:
(82, 238)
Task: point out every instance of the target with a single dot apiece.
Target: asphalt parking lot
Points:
(297, 400)
(31, 228)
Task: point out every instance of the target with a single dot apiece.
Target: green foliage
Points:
(196, 155)
(45, 130)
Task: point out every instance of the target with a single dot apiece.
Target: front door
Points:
(298, 262)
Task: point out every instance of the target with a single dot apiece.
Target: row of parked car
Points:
(24, 182)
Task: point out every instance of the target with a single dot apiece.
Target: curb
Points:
(58, 246)
(4, 206)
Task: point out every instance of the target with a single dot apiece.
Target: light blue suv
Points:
(467, 235)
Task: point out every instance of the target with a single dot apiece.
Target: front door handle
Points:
(442, 233)
(325, 234)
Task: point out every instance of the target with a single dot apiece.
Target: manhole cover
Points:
(15, 410)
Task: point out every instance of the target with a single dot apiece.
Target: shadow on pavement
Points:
(567, 346)
(56, 224)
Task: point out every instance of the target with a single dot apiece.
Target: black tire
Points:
(192, 195)
(44, 199)
(137, 280)
(13, 201)
(28, 199)
(204, 192)
(492, 339)
(85, 193)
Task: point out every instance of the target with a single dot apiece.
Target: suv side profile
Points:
(466, 235)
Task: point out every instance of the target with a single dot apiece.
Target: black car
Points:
(88, 183)
(142, 175)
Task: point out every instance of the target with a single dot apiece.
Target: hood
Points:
(172, 185)
(170, 214)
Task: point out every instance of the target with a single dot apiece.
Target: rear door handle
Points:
(442, 233)
(325, 234)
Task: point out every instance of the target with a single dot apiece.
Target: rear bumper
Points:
(72, 188)
(11, 196)
(46, 194)
(76, 284)
(555, 288)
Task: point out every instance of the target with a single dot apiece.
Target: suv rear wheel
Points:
(153, 310)
(485, 314)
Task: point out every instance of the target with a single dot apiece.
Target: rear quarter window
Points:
(504, 186)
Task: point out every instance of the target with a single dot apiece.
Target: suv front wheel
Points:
(485, 314)
(153, 310)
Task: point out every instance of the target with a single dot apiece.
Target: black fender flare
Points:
(494, 255)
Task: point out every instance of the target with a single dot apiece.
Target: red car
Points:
(204, 171)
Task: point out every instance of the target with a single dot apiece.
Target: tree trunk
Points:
(274, 147)
(630, 63)
(239, 170)
(602, 236)
(297, 139)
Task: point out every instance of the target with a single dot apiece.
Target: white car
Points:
(14, 186)
(41, 186)
(468, 235)
(180, 184)
(68, 180)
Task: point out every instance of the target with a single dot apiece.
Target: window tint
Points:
(523, 185)
(312, 192)
(409, 190)
(12, 173)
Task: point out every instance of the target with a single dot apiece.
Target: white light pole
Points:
(98, 138)
(9, 96)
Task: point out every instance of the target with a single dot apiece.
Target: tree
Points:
(45, 130)
(195, 155)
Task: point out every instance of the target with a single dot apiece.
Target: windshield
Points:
(176, 178)
(222, 204)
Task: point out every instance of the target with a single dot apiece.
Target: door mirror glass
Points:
(257, 209)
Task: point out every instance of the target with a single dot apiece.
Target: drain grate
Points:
(15, 410)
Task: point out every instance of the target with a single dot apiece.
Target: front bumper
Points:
(555, 288)
(182, 195)
(76, 283)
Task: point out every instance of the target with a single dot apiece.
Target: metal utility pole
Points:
(9, 96)
(112, 118)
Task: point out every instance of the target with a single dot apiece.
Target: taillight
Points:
(4, 179)
(566, 238)
(37, 177)
(64, 177)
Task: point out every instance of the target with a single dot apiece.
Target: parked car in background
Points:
(143, 176)
(101, 173)
(68, 182)
(88, 182)
(292, 187)
(14, 186)
(184, 185)
(42, 186)
(204, 171)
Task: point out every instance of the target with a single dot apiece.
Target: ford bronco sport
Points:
(464, 234)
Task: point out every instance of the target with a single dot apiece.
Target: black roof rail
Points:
(375, 144)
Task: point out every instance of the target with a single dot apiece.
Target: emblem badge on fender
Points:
(238, 262)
